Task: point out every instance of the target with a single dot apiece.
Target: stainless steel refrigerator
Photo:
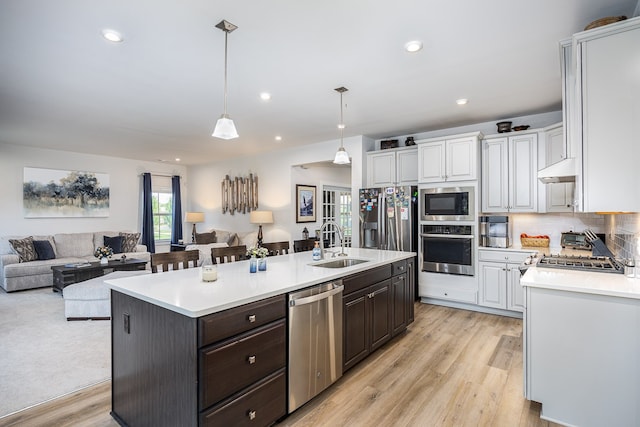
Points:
(389, 218)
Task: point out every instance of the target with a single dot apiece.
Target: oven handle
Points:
(449, 236)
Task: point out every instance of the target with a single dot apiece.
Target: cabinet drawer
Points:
(359, 281)
(503, 256)
(218, 326)
(259, 406)
(399, 267)
(461, 295)
(232, 365)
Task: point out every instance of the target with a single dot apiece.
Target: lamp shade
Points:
(225, 129)
(342, 158)
(261, 217)
(194, 217)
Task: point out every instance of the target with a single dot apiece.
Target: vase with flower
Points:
(103, 253)
(258, 259)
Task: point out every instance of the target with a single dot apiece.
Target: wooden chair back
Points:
(303, 245)
(174, 260)
(230, 254)
(277, 248)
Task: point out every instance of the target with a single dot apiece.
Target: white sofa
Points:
(224, 239)
(67, 247)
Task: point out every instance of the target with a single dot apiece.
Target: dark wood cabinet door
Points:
(356, 328)
(399, 292)
(380, 313)
(411, 286)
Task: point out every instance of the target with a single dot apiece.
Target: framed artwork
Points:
(50, 193)
(305, 203)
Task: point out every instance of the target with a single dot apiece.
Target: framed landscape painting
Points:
(50, 193)
(305, 203)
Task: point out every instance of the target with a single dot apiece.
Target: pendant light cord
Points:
(226, 35)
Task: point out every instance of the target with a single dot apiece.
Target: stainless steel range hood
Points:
(562, 171)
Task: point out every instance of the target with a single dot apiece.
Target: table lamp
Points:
(260, 217)
(194, 217)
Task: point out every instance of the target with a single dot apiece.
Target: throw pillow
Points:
(43, 249)
(205, 238)
(24, 248)
(115, 243)
(129, 241)
(231, 239)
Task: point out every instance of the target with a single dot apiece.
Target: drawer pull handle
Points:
(251, 360)
(252, 415)
(252, 318)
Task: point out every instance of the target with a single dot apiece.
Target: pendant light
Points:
(342, 157)
(225, 129)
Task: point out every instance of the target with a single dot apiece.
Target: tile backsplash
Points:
(622, 231)
(623, 235)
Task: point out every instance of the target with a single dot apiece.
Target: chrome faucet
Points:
(340, 235)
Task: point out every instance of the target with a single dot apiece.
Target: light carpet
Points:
(42, 355)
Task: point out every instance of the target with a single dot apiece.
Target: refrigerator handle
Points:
(382, 224)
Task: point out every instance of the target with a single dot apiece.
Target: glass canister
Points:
(209, 273)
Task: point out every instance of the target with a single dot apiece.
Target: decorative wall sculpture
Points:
(50, 193)
(239, 194)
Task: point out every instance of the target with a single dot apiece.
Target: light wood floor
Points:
(451, 368)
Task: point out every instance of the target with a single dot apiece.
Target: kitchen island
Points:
(581, 346)
(187, 352)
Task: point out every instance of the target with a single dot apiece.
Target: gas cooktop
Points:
(602, 264)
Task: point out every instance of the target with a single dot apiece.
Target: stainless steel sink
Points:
(339, 263)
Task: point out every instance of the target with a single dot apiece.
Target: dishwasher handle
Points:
(318, 297)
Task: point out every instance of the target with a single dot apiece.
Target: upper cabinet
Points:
(448, 159)
(603, 130)
(392, 167)
(509, 171)
(558, 196)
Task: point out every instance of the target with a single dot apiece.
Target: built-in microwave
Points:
(447, 204)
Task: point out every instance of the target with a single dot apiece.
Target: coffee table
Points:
(68, 274)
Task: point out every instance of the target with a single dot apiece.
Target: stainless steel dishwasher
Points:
(315, 341)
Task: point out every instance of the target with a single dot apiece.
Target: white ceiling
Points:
(158, 94)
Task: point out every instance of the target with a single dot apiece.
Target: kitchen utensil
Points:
(599, 248)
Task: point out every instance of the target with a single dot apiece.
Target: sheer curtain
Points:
(176, 210)
(147, 214)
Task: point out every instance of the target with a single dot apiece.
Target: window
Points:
(336, 206)
(162, 201)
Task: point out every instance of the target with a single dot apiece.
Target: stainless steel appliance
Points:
(448, 248)
(495, 231)
(575, 240)
(447, 204)
(315, 341)
(388, 218)
(602, 264)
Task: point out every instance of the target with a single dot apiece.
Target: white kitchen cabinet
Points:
(392, 167)
(509, 173)
(448, 159)
(558, 196)
(499, 284)
(608, 98)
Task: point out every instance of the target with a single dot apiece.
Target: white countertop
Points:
(184, 292)
(610, 284)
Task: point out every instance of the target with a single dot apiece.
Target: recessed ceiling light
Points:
(278, 138)
(462, 101)
(265, 96)
(413, 46)
(112, 36)
(177, 159)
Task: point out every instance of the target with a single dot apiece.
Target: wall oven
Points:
(447, 204)
(448, 248)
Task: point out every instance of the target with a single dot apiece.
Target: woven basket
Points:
(533, 242)
(604, 21)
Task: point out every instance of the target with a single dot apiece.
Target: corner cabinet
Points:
(227, 368)
(499, 285)
(509, 173)
(392, 167)
(608, 98)
(448, 159)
